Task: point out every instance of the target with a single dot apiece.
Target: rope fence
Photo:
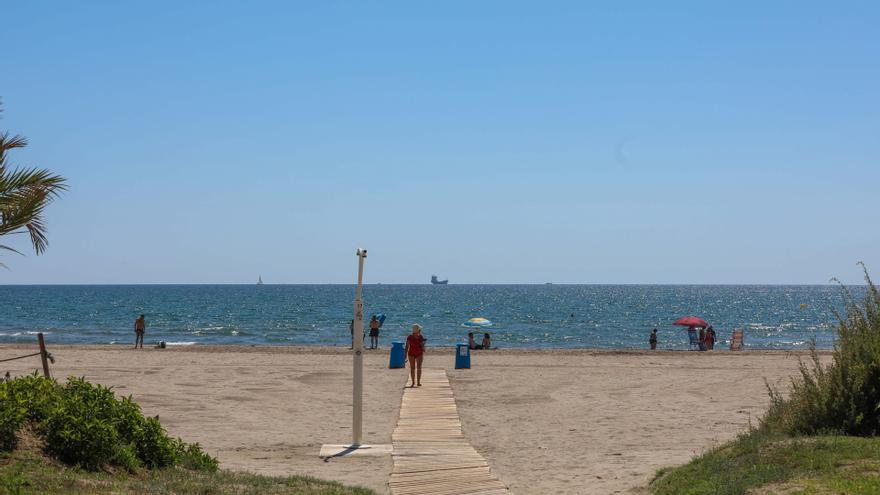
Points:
(20, 357)
(45, 356)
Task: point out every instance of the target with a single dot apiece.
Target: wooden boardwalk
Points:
(431, 455)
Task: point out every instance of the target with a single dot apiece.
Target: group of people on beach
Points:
(486, 344)
(706, 338)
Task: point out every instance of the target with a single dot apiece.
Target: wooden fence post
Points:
(43, 354)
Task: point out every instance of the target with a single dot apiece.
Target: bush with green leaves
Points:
(843, 396)
(23, 399)
(153, 446)
(80, 428)
(12, 417)
(193, 457)
(35, 394)
(87, 425)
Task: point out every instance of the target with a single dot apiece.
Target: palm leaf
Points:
(24, 195)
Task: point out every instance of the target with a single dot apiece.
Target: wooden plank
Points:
(431, 455)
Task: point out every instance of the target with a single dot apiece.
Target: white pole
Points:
(358, 372)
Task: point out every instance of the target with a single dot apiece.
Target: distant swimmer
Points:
(653, 340)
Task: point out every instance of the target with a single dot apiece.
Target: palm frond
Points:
(26, 179)
(23, 210)
(7, 248)
(8, 143)
(24, 195)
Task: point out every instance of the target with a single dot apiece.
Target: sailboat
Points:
(260, 280)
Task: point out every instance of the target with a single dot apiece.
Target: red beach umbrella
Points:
(691, 321)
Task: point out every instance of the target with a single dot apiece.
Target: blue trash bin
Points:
(398, 360)
(462, 356)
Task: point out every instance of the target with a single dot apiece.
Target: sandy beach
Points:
(565, 421)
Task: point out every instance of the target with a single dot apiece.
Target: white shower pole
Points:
(358, 372)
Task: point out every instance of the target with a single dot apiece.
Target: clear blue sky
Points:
(613, 142)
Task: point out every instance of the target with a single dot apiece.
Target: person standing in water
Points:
(140, 328)
(374, 332)
(415, 350)
(653, 340)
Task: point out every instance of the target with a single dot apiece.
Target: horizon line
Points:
(597, 284)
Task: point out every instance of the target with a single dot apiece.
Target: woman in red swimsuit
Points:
(415, 350)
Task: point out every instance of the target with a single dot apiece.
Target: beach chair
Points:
(736, 340)
(694, 339)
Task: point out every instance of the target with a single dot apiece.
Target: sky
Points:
(485, 142)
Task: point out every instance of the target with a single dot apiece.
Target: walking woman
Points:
(415, 350)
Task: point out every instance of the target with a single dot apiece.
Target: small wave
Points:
(180, 343)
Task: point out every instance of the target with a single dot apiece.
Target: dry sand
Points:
(567, 422)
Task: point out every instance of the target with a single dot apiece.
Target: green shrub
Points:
(193, 457)
(125, 457)
(844, 396)
(23, 399)
(77, 433)
(153, 446)
(128, 419)
(35, 393)
(87, 425)
(11, 418)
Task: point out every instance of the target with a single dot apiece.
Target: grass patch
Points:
(26, 473)
(762, 463)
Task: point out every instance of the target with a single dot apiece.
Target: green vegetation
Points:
(28, 473)
(86, 425)
(24, 194)
(822, 439)
(843, 397)
(79, 438)
(795, 465)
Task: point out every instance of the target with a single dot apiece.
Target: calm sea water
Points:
(559, 316)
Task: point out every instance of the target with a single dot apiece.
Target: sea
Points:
(523, 316)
